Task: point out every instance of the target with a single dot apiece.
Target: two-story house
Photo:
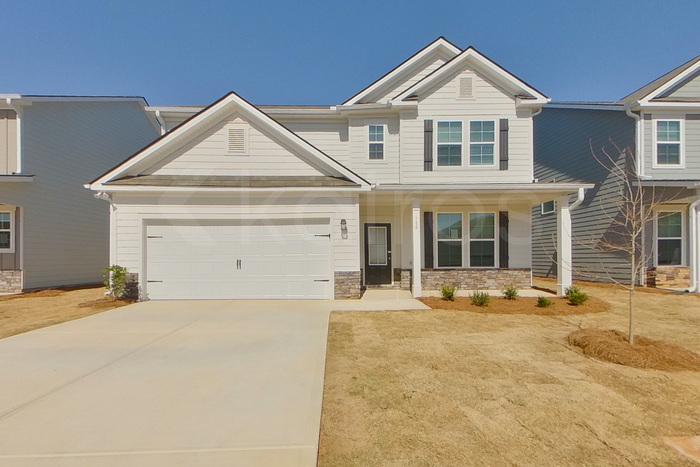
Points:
(52, 231)
(658, 127)
(422, 179)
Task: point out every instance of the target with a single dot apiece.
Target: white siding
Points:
(380, 171)
(8, 142)
(688, 91)
(208, 155)
(132, 211)
(67, 144)
(329, 137)
(411, 77)
(489, 103)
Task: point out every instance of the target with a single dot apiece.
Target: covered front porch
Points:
(420, 238)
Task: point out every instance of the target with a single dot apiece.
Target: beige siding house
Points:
(52, 231)
(422, 179)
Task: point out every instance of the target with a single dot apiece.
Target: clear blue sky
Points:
(322, 52)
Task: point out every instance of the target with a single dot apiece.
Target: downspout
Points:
(112, 225)
(161, 122)
(637, 140)
(579, 199)
(694, 259)
(19, 112)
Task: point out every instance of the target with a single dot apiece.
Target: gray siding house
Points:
(658, 128)
(53, 232)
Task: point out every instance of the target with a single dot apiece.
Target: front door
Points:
(377, 254)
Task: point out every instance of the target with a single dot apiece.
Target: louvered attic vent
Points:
(236, 140)
(466, 88)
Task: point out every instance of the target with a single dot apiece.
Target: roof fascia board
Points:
(539, 98)
(669, 84)
(666, 105)
(440, 42)
(547, 187)
(161, 189)
(584, 106)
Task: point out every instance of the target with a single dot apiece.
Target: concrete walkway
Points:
(230, 383)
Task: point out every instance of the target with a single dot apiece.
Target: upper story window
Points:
(668, 143)
(482, 240)
(669, 238)
(482, 140)
(449, 240)
(6, 232)
(449, 143)
(376, 142)
(548, 207)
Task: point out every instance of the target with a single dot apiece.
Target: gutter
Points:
(579, 198)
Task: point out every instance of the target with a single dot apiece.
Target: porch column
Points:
(564, 259)
(416, 288)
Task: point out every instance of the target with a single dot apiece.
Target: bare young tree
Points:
(629, 207)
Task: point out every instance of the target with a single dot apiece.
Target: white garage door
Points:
(251, 259)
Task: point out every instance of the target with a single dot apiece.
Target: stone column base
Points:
(347, 284)
(10, 281)
(668, 277)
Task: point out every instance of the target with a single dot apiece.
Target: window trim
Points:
(494, 240)
(655, 144)
(682, 237)
(13, 229)
(436, 230)
(547, 213)
(495, 143)
(383, 142)
(437, 144)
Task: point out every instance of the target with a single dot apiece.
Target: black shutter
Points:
(428, 239)
(428, 145)
(503, 144)
(503, 239)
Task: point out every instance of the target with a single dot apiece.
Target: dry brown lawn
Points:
(34, 310)
(458, 388)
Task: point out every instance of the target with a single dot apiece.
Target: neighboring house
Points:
(660, 123)
(422, 179)
(52, 231)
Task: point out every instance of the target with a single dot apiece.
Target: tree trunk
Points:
(633, 274)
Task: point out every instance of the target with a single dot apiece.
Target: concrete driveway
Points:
(168, 383)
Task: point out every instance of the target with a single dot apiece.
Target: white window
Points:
(669, 238)
(482, 240)
(378, 248)
(449, 143)
(449, 240)
(376, 142)
(7, 241)
(548, 207)
(482, 142)
(669, 151)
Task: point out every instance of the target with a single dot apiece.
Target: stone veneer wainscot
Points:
(10, 281)
(471, 279)
(348, 284)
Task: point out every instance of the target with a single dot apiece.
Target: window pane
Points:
(548, 207)
(481, 253)
(668, 153)
(668, 131)
(376, 245)
(449, 132)
(450, 226)
(4, 225)
(449, 154)
(5, 240)
(669, 252)
(376, 151)
(482, 225)
(482, 132)
(670, 224)
(481, 154)
(376, 133)
(449, 254)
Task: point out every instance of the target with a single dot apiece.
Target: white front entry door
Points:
(249, 259)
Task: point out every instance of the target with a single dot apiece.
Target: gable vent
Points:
(236, 140)
(466, 88)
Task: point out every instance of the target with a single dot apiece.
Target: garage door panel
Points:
(281, 260)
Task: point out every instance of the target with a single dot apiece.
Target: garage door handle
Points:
(323, 235)
(321, 280)
(155, 236)
(154, 281)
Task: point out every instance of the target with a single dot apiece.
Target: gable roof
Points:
(663, 83)
(486, 66)
(194, 125)
(438, 45)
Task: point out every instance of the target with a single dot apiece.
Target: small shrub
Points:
(480, 298)
(510, 292)
(543, 302)
(448, 292)
(115, 280)
(575, 295)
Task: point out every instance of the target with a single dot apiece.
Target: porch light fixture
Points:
(344, 228)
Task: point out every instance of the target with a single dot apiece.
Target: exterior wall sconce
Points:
(344, 229)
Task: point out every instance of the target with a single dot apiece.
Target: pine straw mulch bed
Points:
(612, 346)
(520, 306)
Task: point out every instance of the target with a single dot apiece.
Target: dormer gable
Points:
(680, 85)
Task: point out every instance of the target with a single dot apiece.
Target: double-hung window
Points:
(482, 141)
(449, 143)
(449, 240)
(376, 142)
(669, 238)
(6, 230)
(482, 240)
(668, 143)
